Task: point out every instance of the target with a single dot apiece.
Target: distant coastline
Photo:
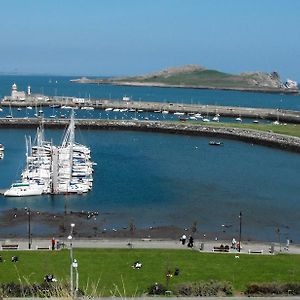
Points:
(162, 85)
(197, 77)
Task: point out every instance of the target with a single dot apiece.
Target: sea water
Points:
(61, 86)
(160, 179)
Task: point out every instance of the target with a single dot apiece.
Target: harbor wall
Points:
(287, 116)
(270, 139)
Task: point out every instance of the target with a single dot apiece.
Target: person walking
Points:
(53, 243)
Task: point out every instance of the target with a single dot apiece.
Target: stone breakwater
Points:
(270, 139)
(287, 116)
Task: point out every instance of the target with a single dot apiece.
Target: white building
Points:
(15, 95)
(22, 95)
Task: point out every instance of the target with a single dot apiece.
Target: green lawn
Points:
(111, 267)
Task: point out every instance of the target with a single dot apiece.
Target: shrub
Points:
(273, 289)
(184, 289)
(35, 290)
(203, 288)
(157, 289)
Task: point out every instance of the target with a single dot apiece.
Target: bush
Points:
(203, 288)
(35, 290)
(273, 289)
(157, 289)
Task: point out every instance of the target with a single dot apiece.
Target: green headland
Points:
(193, 76)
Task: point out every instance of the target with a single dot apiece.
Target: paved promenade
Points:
(259, 248)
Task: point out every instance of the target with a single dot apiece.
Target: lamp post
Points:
(240, 235)
(75, 266)
(70, 237)
(279, 238)
(28, 212)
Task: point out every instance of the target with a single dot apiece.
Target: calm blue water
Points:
(56, 85)
(161, 179)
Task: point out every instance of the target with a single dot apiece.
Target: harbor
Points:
(56, 170)
(165, 150)
(194, 111)
(271, 139)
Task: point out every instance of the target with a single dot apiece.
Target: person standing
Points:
(183, 239)
(53, 243)
(191, 242)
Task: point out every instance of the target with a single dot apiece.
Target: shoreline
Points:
(163, 85)
(270, 139)
(98, 228)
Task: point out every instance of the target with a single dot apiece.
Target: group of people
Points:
(235, 244)
(137, 265)
(190, 243)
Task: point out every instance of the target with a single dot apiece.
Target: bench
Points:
(9, 247)
(221, 249)
(146, 239)
(255, 251)
(42, 248)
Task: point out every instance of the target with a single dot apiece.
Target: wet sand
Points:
(14, 224)
(90, 232)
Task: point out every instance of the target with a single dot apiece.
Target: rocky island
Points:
(194, 76)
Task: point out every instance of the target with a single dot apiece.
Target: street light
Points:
(240, 235)
(279, 238)
(70, 238)
(28, 212)
(75, 266)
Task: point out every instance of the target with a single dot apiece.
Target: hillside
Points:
(198, 77)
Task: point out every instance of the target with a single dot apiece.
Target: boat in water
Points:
(216, 143)
(23, 189)
(1, 151)
(53, 169)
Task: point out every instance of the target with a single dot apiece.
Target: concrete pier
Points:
(287, 116)
(280, 141)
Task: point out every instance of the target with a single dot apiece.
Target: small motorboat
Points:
(216, 143)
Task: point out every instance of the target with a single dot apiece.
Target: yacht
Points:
(206, 120)
(216, 118)
(1, 147)
(87, 108)
(126, 98)
(21, 189)
(215, 143)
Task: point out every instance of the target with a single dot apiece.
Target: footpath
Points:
(203, 246)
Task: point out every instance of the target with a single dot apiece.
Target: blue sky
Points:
(127, 37)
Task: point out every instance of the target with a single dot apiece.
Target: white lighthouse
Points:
(29, 90)
(15, 95)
